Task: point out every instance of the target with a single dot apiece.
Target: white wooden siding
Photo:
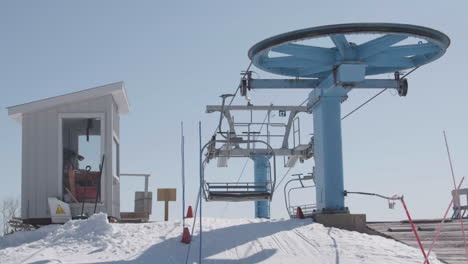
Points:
(40, 158)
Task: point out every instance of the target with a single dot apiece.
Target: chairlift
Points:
(307, 209)
(238, 191)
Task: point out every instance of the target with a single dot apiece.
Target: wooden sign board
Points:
(166, 194)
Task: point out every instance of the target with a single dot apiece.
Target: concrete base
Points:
(351, 222)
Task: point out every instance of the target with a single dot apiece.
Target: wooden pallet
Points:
(449, 247)
(134, 217)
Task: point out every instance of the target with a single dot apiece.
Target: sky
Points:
(176, 57)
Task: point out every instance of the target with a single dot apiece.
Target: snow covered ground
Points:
(224, 241)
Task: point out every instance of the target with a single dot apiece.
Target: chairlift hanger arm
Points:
(285, 144)
(230, 120)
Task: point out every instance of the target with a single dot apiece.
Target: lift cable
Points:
(355, 109)
(377, 94)
(368, 100)
(363, 104)
(284, 176)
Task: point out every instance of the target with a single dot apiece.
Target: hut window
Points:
(81, 142)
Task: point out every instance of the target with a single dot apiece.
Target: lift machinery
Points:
(358, 50)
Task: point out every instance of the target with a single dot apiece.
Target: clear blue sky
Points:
(178, 56)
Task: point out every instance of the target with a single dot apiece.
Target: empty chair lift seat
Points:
(238, 192)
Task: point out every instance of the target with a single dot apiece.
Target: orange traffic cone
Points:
(299, 213)
(189, 212)
(186, 236)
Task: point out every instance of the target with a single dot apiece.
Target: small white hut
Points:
(64, 141)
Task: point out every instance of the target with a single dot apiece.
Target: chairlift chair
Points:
(238, 191)
(307, 209)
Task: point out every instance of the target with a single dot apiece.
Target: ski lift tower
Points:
(358, 50)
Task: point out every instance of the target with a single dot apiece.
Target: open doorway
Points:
(82, 151)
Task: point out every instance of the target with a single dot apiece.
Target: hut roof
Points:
(117, 90)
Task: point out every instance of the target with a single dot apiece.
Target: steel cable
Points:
(368, 100)
(373, 97)
(355, 109)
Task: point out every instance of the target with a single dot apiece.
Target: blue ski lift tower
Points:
(357, 51)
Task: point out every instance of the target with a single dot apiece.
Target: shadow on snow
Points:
(217, 241)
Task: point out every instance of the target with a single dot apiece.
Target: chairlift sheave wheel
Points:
(382, 47)
(403, 89)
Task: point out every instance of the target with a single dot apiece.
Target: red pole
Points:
(415, 231)
(456, 195)
(439, 227)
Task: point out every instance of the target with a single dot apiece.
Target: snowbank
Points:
(224, 241)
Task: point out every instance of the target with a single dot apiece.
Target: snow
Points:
(224, 241)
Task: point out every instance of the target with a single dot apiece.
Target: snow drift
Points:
(224, 241)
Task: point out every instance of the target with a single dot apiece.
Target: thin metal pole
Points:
(200, 191)
(439, 227)
(196, 211)
(268, 126)
(456, 195)
(414, 231)
(193, 226)
(182, 171)
(145, 201)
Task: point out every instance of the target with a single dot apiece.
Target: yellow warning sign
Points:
(59, 210)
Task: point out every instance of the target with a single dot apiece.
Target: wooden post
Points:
(145, 201)
(166, 210)
(166, 195)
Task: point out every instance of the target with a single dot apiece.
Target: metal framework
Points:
(460, 207)
(307, 209)
(336, 70)
(261, 190)
(231, 148)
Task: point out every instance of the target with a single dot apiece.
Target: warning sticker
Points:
(59, 210)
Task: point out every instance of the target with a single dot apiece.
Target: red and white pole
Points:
(456, 195)
(415, 231)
